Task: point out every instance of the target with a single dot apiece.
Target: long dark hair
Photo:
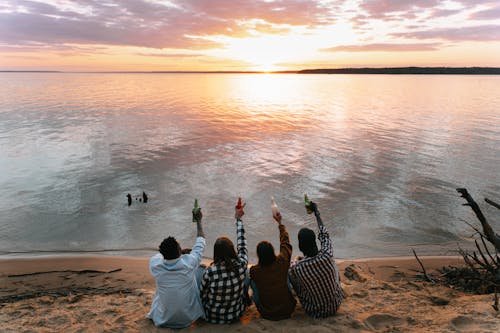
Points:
(265, 253)
(224, 253)
(307, 242)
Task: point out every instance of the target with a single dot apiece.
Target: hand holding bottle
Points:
(197, 215)
(238, 209)
(275, 210)
(311, 207)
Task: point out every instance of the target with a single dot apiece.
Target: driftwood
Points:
(482, 271)
(85, 271)
(490, 235)
(493, 203)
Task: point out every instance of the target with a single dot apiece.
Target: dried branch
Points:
(493, 203)
(466, 256)
(486, 261)
(488, 251)
(427, 277)
(85, 271)
(477, 261)
(488, 231)
(479, 232)
(495, 303)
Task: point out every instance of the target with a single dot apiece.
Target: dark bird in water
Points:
(129, 198)
(144, 197)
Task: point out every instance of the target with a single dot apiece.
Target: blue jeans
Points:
(255, 292)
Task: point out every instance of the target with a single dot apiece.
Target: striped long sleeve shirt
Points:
(316, 280)
(222, 291)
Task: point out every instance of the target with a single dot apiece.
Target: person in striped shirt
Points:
(315, 277)
(224, 286)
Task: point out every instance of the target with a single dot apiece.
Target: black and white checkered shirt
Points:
(316, 280)
(222, 291)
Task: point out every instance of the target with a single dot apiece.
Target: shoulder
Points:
(280, 259)
(155, 259)
(214, 269)
(255, 269)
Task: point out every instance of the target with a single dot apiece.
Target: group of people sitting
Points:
(186, 290)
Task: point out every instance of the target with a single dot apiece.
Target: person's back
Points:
(315, 278)
(223, 289)
(223, 293)
(177, 303)
(269, 278)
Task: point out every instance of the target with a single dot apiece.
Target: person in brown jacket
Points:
(269, 278)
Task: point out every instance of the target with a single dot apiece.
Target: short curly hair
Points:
(170, 248)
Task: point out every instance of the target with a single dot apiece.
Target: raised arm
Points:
(323, 236)
(285, 246)
(199, 227)
(196, 253)
(241, 242)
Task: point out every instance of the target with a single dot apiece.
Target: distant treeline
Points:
(9, 71)
(407, 70)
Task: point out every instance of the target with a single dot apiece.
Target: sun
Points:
(264, 53)
(266, 67)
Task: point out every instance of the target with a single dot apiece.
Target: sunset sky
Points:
(191, 35)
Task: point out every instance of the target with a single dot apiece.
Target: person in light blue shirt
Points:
(177, 303)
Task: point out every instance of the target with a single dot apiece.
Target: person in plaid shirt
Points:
(223, 287)
(315, 278)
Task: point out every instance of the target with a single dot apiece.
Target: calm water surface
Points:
(381, 155)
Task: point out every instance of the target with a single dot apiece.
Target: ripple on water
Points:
(381, 160)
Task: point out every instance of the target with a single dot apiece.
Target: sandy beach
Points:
(113, 294)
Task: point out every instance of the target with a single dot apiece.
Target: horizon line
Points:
(342, 70)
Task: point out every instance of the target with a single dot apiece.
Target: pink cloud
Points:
(444, 12)
(151, 24)
(475, 33)
(384, 47)
(170, 55)
(292, 12)
(380, 8)
(492, 13)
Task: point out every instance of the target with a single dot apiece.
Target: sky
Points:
(246, 35)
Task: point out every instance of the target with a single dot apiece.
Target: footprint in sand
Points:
(463, 323)
(59, 320)
(382, 320)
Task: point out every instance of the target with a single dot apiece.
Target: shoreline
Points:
(101, 293)
(83, 261)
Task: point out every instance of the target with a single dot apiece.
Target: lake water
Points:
(380, 154)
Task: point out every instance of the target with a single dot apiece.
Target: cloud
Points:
(381, 8)
(187, 24)
(54, 48)
(384, 47)
(292, 12)
(486, 14)
(440, 12)
(476, 33)
(170, 55)
(157, 28)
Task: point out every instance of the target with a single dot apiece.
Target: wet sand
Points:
(113, 294)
